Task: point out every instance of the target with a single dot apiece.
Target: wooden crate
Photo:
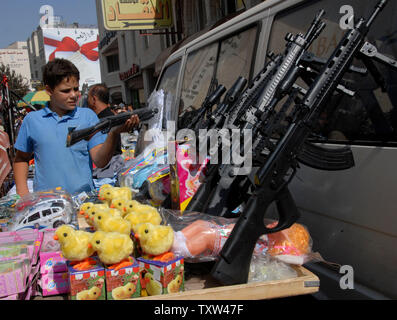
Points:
(205, 288)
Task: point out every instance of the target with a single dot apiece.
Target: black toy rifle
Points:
(105, 124)
(252, 114)
(216, 119)
(272, 179)
(192, 119)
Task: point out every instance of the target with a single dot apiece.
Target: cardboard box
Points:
(52, 262)
(124, 283)
(186, 175)
(87, 284)
(163, 278)
(55, 283)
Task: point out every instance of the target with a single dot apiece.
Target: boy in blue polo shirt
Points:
(43, 133)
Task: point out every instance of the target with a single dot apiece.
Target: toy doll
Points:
(202, 240)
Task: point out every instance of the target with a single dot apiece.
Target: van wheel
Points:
(58, 223)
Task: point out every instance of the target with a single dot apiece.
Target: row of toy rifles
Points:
(281, 116)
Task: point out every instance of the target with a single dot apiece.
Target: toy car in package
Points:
(43, 209)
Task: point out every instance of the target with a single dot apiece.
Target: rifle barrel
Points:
(107, 123)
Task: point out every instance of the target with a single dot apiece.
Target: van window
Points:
(46, 212)
(54, 210)
(235, 57)
(218, 63)
(370, 117)
(199, 71)
(34, 217)
(169, 78)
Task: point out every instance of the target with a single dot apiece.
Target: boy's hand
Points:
(131, 123)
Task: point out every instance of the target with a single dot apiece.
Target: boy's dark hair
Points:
(100, 91)
(58, 69)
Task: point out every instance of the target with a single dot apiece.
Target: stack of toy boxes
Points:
(87, 284)
(53, 269)
(124, 283)
(19, 251)
(161, 277)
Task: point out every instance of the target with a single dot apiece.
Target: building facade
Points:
(17, 58)
(131, 60)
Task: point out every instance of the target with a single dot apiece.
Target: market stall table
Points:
(204, 287)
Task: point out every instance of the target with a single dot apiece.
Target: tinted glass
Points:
(46, 212)
(34, 217)
(370, 116)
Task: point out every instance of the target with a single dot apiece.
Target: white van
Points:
(48, 214)
(351, 214)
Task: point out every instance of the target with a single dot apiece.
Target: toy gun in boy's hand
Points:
(272, 179)
(105, 124)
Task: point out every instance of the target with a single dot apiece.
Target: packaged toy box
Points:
(53, 268)
(124, 283)
(87, 284)
(161, 277)
(185, 175)
(19, 267)
(54, 283)
(52, 262)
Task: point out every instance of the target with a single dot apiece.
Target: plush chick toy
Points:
(89, 211)
(90, 294)
(85, 206)
(120, 204)
(175, 284)
(124, 292)
(154, 240)
(143, 214)
(153, 287)
(75, 246)
(104, 221)
(108, 194)
(113, 248)
(136, 206)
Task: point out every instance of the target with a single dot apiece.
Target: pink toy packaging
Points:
(52, 262)
(49, 244)
(18, 237)
(13, 276)
(188, 172)
(55, 283)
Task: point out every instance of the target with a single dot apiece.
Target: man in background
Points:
(98, 101)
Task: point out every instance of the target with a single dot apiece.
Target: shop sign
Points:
(106, 39)
(136, 15)
(134, 70)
